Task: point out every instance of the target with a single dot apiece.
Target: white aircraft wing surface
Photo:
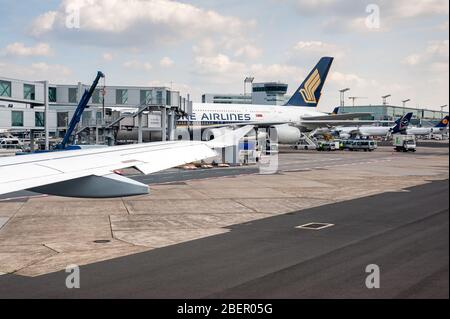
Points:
(311, 124)
(92, 172)
(336, 117)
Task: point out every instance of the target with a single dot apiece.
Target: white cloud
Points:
(108, 56)
(20, 49)
(348, 79)
(132, 21)
(412, 59)
(222, 69)
(39, 71)
(417, 8)
(318, 48)
(237, 46)
(435, 57)
(343, 15)
(205, 47)
(277, 72)
(45, 68)
(443, 26)
(219, 64)
(439, 48)
(249, 51)
(166, 62)
(44, 23)
(138, 65)
(397, 8)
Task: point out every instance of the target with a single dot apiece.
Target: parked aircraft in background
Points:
(440, 128)
(400, 126)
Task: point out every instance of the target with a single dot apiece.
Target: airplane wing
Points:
(322, 123)
(93, 172)
(346, 119)
(336, 117)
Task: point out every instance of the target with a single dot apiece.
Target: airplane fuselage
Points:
(212, 113)
(366, 130)
(424, 130)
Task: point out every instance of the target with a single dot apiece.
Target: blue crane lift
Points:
(79, 112)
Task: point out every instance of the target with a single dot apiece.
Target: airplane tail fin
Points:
(402, 123)
(310, 91)
(335, 111)
(443, 122)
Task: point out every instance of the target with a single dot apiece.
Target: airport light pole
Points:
(342, 94)
(353, 98)
(442, 107)
(384, 97)
(404, 104)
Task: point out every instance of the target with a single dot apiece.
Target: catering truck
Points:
(404, 142)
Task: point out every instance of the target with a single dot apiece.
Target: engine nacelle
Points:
(182, 134)
(287, 134)
(211, 133)
(92, 186)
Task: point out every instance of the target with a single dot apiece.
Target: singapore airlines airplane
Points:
(298, 114)
(94, 172)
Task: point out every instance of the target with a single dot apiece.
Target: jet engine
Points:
(287, 134)
(182, 134)
(211, 133)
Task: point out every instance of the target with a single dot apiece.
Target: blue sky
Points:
(202, 46)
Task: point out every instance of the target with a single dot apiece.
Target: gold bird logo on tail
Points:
(310, 88)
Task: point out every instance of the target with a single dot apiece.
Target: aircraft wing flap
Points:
(191, 152)
(173, 157)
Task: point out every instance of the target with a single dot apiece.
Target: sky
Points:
(397, 47)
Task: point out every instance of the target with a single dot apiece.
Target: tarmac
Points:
(185, 226)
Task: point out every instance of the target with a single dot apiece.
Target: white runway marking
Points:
(3, 221)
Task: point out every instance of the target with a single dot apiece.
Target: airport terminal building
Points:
(266, 93)
(23, 103)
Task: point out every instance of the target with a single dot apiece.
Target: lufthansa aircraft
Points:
(438, 129)
(399, 127)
